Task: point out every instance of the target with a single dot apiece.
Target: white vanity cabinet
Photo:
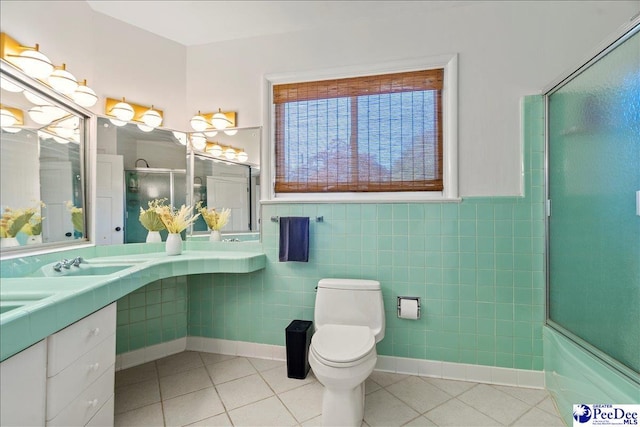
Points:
(22, 387)
(80, 371)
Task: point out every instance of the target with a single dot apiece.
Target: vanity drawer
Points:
(71, 381)
(87, 404)
(75, 340)
(105, 415)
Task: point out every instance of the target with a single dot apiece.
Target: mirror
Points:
(42, 166)
(220, 182)
(134, 168)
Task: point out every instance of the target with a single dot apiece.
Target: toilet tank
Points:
(350, 302)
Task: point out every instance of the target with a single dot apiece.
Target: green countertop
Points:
(52, 303)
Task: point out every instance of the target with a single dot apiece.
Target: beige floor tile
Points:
(537, 417)
(420, 395)
(381, 408)
(279, 382)
(313, 422)
(548, 406)
(221, 420)
(304, 402)
(229, 370)
(386, 378)
(370, 386)
(179, 362)
(184, 382)
(266, 364)
(137, 395)
(243, 391)
(192, 407)
(531, 396)
(267, 412)
(452, 387)
(456, 413)
(494, 403)
(419, 422)
(150, 415)
(136, 374)
(211, 358)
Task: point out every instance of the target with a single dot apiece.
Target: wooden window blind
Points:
(364, 134)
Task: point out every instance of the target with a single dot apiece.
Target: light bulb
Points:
(216, 150)
(34, 63)
(117, 122)
(198, 141)
(152, 118)
(230, 154)
(63, 81)
(219, 120)
(198, 123)
(144, 128)
(39, 115)
(242, 156)
(9, 86)
(84, 96)
(11, 129)
(231, 132)
(211, 133)
(34, 99)
(123, 111)
(7, 119)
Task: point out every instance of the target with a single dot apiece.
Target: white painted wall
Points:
(506, 50)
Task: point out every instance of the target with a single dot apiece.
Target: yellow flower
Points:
(149, 218)
(215, 220)
(14, 220)
(77, 218)
(175, 221)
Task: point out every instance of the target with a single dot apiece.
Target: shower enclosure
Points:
(145, 184)
(593, 171)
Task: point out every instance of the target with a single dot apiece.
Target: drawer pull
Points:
(93, 403)
(94, 331)
(94, 367)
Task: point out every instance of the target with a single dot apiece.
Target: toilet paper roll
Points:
(408, 309)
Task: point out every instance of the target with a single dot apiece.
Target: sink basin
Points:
(12, 300)
(85, 269)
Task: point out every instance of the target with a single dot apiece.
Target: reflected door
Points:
(230, 193)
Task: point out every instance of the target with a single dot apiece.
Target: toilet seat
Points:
(342, 345)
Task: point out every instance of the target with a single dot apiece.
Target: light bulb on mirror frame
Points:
(123, 111)
(198, 122)
(152, 118)
(230, 154)
(84, 96)
(144, 128)
(215, 150)
(243, 156)
(198, 141)
(9, 86)
(33, 62)
(63, 81)
(231, 132)
(117, 122)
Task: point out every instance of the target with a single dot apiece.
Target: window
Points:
(387, 134)
(362, 134)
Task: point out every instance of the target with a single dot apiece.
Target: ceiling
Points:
(200, 22)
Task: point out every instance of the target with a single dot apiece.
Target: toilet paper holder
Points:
(417, 299)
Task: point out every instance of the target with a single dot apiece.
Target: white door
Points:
(56, 186)
(230, 193)
(109, 200)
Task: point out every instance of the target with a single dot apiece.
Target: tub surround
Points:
(63, 300)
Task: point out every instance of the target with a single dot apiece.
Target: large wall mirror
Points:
(222, 178)
(42, 183)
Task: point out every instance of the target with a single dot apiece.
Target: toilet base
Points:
(343, 407)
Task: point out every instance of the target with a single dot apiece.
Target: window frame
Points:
(449, 139)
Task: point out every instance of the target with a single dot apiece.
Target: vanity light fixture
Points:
(84, 95)
(229, 153)
(63, 81)
(212, 122)
(29, 59)
(122, 112)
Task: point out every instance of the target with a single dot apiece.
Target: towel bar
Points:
(277, 219)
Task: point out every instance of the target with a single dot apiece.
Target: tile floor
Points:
(205, 389)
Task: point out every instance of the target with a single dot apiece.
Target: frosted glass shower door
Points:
(594, 230)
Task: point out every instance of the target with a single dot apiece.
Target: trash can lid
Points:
(299, 325)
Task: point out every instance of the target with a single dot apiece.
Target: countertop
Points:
(56, 302)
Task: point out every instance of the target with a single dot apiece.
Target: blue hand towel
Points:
(294, 239)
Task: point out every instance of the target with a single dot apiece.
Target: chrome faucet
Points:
(66, 263)
(77, 261)
(57, 266)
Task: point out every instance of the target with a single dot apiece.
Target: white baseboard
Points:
(400, 365)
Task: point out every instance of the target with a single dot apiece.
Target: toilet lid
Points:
(343, 343)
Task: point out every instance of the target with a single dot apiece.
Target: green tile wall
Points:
(477, 265)
(153, 314)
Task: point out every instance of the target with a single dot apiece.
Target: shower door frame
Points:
(623, 34)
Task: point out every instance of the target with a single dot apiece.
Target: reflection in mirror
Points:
(221, 182)
(42, 166)
(134, 168)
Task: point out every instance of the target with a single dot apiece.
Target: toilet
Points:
(349, 321)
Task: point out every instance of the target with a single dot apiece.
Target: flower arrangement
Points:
(176, 220)
(77, 218)
(14, 220)
(149, 218)
(34, 226)
(215, 220)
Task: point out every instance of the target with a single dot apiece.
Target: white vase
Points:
(34, 240)
(9, 242)
(174, 244)
(154, 237)
(215, 236)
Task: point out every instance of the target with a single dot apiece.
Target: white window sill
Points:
(400, 197)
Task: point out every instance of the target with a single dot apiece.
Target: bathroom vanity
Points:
(57, 328)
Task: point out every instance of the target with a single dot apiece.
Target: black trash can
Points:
(298, 337)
